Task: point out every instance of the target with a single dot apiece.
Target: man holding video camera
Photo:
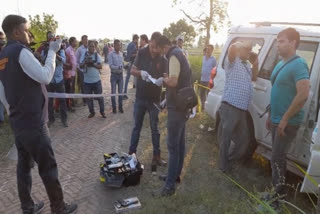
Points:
(22, 86)
(236, 99)
(90, 62)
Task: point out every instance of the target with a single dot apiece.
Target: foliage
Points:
(211, 14)
(39, 26)
(181, 27)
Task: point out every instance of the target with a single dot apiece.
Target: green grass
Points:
(6, 139)
(204, 189)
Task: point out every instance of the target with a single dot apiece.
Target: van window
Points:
(306, 50)
(256, 42)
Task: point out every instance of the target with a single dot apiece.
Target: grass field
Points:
(204, 189)
(6, 139)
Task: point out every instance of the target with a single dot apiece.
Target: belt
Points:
(117, 72)
(239, 109)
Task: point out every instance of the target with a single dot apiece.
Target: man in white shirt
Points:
(22, 88)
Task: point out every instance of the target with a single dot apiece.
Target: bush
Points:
(195, 64)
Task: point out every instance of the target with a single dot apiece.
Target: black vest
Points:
(23, 94)
(155, 67)
(184, 79)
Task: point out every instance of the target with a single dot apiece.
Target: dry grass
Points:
(204, 189)
(6, 139)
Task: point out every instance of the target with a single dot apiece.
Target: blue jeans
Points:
(176, 127)
(116, 79)
(127, 78)
(140, 108)
(94, 88)
(1, 112)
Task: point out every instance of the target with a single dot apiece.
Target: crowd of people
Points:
(26, 76)
(56, 66)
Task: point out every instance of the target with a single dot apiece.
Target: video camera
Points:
(89, 62)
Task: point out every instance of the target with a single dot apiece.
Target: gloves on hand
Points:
(163, 104)
(55, 45)
(144, 75)
(159, 82)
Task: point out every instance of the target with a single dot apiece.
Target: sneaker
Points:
(114, 111)
(68, 209)
(65, 124)
(103, 115)
(164, 178)
(121, 110)
(37, 209)
(91, 115)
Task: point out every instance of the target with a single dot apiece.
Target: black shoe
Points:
(50, 123)
(103, 115)
(121, 110)
(114, 111)
(91, 115)
(71, 110)
(164, 178)
(158, 161)
(68, 209)
(65, 124)
(125, 97)
(37, 209)
(164, 192)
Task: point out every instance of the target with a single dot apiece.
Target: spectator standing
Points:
(115, 59)
(70, 70)
(132, 50)
(208, 63)
(91, 64)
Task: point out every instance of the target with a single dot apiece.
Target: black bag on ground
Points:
(117, 171)
(186, 99)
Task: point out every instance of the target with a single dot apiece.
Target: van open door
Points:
(312, 175)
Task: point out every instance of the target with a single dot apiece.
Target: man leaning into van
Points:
(290, 91)
(236, 99)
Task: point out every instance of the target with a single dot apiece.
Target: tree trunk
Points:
(209, 23)
(208, 35)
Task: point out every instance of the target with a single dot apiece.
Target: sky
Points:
(121, 18)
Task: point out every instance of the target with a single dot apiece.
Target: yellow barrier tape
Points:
(202, 86)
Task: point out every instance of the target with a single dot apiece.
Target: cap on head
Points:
(180, 37)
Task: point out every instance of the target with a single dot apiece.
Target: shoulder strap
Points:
(276, 75)
(96, 57)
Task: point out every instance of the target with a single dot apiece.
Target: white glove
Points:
(159, 82)
(144, 75)
(55, 45)
(163, 103)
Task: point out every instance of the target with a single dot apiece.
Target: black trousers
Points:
(36, 145)
(59, 88)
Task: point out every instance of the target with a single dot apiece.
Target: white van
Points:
(264, 35)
